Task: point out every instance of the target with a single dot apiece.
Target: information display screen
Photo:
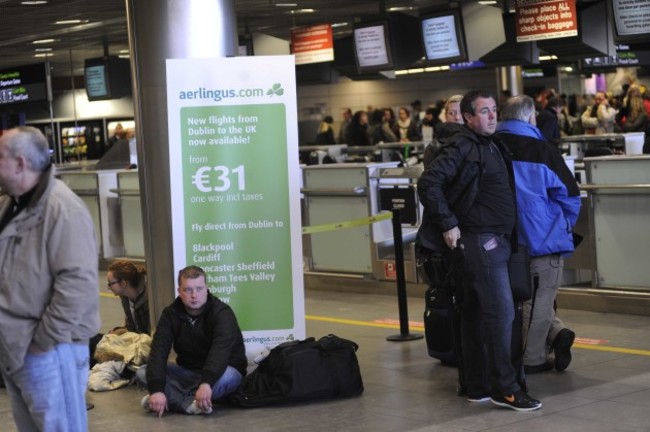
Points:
(372, 47)
(631, 19)
(442, 37)
(97, 86)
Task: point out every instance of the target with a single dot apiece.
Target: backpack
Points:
(300, 371)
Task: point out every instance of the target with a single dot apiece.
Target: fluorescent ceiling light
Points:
(487, 2)
(124, 56)
(43, 49)
(43, 41)
(43, 55)
(286, 4)
(339, 24)
(303, 11)
(547, 57)
(70, 21)
(33, 2)
(400, 8)
(124, 51)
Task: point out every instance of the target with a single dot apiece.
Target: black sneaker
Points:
(562, 348)
(518, 401)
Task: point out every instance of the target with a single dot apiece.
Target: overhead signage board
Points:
(23, 84)
(545, 19)
(235, 187)
(313, 44)
(626, 56)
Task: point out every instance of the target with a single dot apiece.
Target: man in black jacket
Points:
(467, 189)
(211, 360)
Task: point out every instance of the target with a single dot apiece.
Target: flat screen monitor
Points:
(631, 20)
(372, 47)
(97, 76)
(107, 78)
(443, 37)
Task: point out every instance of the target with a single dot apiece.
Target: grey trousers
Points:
(545, 325)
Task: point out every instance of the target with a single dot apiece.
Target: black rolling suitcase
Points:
(441, 313)
(438, 325)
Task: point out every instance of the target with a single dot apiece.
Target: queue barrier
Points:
(394, 215)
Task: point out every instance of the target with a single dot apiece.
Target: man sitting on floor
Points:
(210, 362)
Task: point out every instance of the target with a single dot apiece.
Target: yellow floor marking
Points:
(392, 326)
(418, 328)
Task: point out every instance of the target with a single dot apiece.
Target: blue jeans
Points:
(48, 392)
(182, 383)
(487, 315)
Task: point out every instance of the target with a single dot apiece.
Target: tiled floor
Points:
(605, 388)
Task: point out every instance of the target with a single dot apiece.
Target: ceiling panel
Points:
(105, 25)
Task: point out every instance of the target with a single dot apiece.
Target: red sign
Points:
(390, 270)
(312, 44)
(545, 19)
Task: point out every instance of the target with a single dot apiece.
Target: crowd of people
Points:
(558, 115)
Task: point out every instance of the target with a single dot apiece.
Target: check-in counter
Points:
(337, 193)
(128, 190)
(619, 197)
(95, 190)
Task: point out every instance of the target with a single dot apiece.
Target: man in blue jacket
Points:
(210, 361)
(548, 203)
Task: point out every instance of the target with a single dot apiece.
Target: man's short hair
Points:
(30, 143)
(468, 104)
(190, 272)
(519, 107)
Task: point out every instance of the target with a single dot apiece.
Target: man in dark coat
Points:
(211, 360)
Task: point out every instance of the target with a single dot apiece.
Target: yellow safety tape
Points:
(347, 224)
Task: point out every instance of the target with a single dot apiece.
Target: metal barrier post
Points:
(404, 334)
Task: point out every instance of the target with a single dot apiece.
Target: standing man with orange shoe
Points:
(470, 204)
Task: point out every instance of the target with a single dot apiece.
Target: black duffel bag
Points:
(305, 370)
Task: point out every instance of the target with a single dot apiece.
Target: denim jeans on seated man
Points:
(182, 383)
(487, 315)
(47, 392)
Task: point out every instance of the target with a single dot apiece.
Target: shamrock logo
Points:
(275, 90)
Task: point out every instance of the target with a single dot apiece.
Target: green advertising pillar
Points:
(161, 30)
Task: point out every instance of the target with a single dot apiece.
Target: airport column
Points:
(161, 30)
(509, 78)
